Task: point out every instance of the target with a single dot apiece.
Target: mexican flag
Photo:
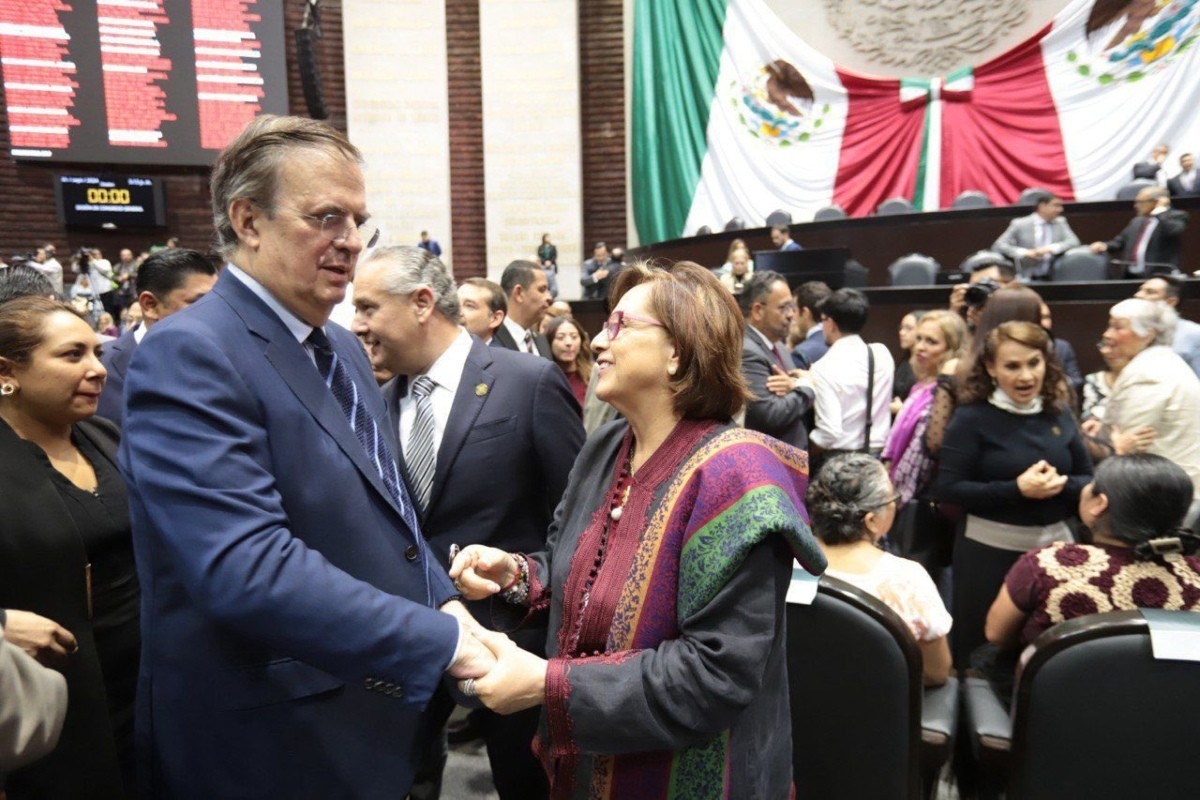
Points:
(734, 114)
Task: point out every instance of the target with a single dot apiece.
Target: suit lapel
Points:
(468, 403)
(505, 338)
(299, 373)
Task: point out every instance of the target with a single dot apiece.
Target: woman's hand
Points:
(44, 639)
(480, 571)
(517, 682)
(1040, 482)
(1137, 440)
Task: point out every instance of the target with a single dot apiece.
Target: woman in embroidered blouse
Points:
(665, 570)
(67, 573)
(1138, 556)
(1015, 460)
(571, 351)
(853, 504)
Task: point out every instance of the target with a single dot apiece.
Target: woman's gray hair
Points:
(848, 487)
(406, 269)
(1147, 317)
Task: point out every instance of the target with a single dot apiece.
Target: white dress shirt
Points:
(446, 374)
(518, 334)
(840, 385)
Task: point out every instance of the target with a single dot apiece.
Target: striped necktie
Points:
(529, 348)
(419, 454)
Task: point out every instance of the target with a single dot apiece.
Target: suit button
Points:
(412, 552)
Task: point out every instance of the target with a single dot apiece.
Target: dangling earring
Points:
(8, 390)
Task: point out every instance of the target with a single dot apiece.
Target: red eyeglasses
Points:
(617, 321)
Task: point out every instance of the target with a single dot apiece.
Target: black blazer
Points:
(781, 417)
(1175, 187)
(116, 358)
(43, 569)
(502, 338)
(511, 439)
(1165, 240)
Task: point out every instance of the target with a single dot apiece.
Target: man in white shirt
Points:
(484, 307)
(528, 294)
(1034, 241)
(487, 439)
(1169, 289)
(1187, 182)
(45, 263)
(840, 379)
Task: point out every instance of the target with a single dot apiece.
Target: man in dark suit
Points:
(780, 403)
(528, 294)
(807, 324)
(1150, 242)
(781, 237)
(1187, 182)
(598, 273)
(166, 282)
(492, 413)
(294, 621)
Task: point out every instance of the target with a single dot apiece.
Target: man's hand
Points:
(44, 639)
(518, 680)
(600, 274)
(1098, 247)
(1137, 440)
(473, 659)
(958, 298)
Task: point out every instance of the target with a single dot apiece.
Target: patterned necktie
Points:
(419, 454)
(529, 348)
(337, 378)
(779, 357)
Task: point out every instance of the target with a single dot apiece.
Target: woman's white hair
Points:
(1148, 317)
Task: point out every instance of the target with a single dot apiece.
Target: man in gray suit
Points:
(1033, 242)
(780, 404)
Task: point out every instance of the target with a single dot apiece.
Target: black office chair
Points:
(779, 217)
(1030, 196)
(980, 259)
(829, 213)
(862, 726)
(914, 269)
(1080, 264)
(703, 230)
(1130, 190)
(735, 224)
(1095, 715)
(971, 199)
(894, 205)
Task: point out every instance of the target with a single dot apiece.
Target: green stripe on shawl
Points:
(698, 773)
(714, 552)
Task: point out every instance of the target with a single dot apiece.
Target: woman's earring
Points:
(8, 390)
(671, 371)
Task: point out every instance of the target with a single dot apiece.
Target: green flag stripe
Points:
(677, 48)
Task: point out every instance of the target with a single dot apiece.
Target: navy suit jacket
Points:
(507, 450)
(289, 634)
(116, 357)
(781, 417)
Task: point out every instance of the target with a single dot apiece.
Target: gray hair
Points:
(1147, 317)
(407, 269)
(848, 487)
(249, 166)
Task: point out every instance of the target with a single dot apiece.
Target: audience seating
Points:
(1095, 715)
(1080, 264)
(971, 199)
(862, 725)
(829, 213)
(735, 224)
(1130, 190)
(703, 230)
(894, 205)
(980, 259)
(1029, 197)
(779, 217)
(914, 269)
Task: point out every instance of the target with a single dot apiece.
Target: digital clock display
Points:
(109, 200)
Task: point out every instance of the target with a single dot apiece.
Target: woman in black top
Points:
(1015, 460)
(66, 556)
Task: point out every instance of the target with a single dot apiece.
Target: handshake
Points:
(489, 665)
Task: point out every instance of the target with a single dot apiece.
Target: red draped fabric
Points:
(881, 145)
(1007, 138)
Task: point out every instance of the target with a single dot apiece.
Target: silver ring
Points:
(467, 687)
(458, 584)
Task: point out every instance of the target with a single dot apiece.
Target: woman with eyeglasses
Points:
(853, 504)
(665, 571)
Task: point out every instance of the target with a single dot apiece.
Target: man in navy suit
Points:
(166, 282)
(495, 413)
(295, 623)
(528, 298)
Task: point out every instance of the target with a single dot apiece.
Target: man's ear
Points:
(244, 216)
(151, 309)
(423, 302)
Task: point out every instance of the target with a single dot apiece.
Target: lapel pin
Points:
(481, 390)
